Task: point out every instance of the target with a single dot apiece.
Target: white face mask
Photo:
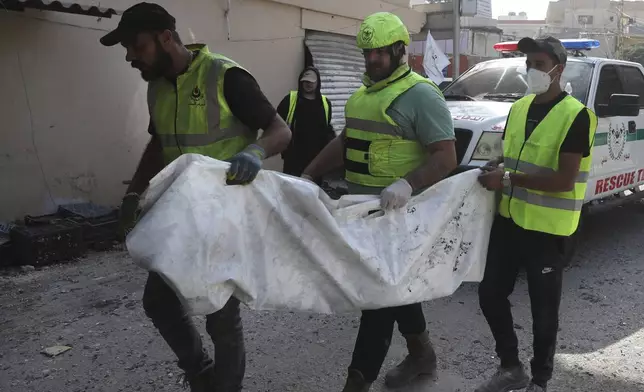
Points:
(538, 81)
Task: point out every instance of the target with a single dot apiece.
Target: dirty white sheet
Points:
(282, 243)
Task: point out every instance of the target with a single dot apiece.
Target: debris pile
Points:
(65, 235)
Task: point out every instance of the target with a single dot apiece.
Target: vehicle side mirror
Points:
(620, 105)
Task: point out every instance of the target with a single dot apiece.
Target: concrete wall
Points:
(74, 116)
(520, 30)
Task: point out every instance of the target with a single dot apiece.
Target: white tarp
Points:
(282, 243)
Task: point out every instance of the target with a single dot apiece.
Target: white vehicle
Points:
(480, 100)
(446, 82)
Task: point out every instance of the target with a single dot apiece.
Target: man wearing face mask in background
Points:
(546, 159)
(398, 140)
(308, 113)
(203, 103)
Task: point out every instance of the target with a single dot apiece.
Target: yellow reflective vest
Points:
(292, 104)
(375, 153)
(193, 116)
(548, 212)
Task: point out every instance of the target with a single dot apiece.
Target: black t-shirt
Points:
(246, 100)
(578, 138)
(311, 132)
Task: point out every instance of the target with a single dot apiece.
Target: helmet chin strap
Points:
(396, 60)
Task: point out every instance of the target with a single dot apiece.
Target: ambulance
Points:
(480, 100)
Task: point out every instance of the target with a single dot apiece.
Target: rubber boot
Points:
(536, 388)
(421, 361)
(356, 382)
(202, 382)
(506, 380)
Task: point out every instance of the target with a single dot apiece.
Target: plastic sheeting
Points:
(282, 243)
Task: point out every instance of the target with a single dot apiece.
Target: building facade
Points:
(604, 20)
(476, 41)
(74, 112)
(516, 26)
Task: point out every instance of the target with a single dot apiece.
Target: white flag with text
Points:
(434, 60)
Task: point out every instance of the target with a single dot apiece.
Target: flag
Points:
(434, 60)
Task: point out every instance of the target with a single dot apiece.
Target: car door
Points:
(615, 156)
(633, 81)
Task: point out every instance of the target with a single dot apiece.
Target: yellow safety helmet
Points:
(381, 29)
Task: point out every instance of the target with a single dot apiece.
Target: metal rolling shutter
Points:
(341, 66)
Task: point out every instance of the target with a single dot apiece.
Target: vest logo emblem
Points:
(196, 97)
(367, 34)
(616, 141)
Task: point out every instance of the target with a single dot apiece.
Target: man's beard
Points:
(377, 73)
(161, 67)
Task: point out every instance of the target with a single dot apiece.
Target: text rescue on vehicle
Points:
(619, 181)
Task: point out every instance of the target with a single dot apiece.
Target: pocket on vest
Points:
(394, 158)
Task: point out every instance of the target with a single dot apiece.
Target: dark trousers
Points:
(176, 327)
(376, 330)
(294, 166)
(512, 248)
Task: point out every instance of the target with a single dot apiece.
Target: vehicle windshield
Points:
(506, 80)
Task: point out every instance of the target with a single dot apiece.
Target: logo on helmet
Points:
(367, 34)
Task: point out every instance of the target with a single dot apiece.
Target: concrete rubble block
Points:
(54, 351)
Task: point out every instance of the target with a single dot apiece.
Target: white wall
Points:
(483, 43)
(74, 127)
(522, 30)
(359, 9)
(74, 116)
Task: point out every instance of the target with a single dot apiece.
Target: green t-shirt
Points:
(421, 114)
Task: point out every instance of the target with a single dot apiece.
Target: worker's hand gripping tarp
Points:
(282, 243)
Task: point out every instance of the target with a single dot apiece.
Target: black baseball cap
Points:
(548, 45)
(139, 18)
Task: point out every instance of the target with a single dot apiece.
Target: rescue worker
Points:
(308, 113)
(205, 103)
(546, 159)
(399, 139)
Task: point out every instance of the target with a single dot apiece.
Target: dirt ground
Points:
(93, 306)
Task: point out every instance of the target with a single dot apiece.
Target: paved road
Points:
(94, 307)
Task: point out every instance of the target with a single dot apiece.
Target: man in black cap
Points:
(542, 175)
(202, 103)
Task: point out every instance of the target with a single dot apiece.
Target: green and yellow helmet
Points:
(381, 29)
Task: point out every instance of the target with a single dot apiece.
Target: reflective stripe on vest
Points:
(543, 200)
(530, 168)
(292, 104)
(375, 153)
(554, 213)
(194, 117)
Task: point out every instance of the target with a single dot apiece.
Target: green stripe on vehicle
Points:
(601, 139)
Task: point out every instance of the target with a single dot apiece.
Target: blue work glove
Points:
(245, 165)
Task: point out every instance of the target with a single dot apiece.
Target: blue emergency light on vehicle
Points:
(573, 44)
(580, 44)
